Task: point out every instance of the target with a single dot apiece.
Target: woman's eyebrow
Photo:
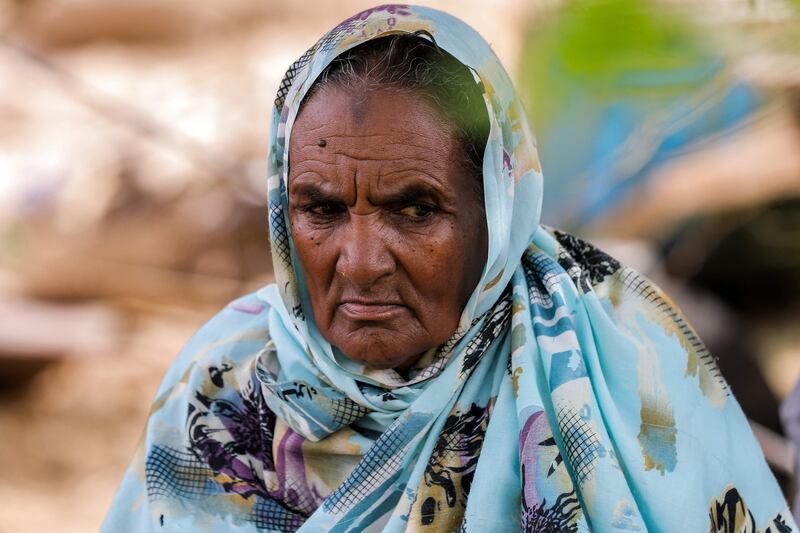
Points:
(312, 191)
(410, 193)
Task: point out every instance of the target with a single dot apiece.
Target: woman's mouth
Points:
(366, 312)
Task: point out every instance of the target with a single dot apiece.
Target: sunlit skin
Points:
(388, 226)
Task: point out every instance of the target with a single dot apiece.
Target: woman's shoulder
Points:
(209, 398)
(239, 320)
(230, 339)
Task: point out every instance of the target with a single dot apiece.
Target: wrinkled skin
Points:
(389, 228)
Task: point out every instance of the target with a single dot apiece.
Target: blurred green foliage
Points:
(611, 48)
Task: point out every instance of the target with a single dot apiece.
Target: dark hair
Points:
(413, 61)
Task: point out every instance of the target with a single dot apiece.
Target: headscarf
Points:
(573, 396)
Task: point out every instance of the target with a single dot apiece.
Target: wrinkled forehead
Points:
(380, 122)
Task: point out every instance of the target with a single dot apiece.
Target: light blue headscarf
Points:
(572, 397)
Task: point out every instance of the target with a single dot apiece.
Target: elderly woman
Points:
(430, 358)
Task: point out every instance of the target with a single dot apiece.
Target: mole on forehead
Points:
(339, 143)
(408, 137)
(335, 156)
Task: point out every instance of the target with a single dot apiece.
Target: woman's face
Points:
(388, 226)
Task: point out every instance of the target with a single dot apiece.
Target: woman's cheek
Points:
(317, 262)
(310, 241)
(434, 258)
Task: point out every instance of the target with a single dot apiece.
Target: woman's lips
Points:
(370, 311)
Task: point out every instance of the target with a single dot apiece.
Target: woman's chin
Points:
(396, 343)
(379, 360)
(378, 349)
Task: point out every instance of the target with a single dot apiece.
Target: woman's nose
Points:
(364, 256)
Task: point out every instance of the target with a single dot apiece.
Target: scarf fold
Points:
(572, 397)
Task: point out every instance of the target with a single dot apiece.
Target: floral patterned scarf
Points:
(572, 397)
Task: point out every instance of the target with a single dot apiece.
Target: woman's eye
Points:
(416, 210)
(325, 210)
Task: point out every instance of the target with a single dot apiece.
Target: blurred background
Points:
(133, 149)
